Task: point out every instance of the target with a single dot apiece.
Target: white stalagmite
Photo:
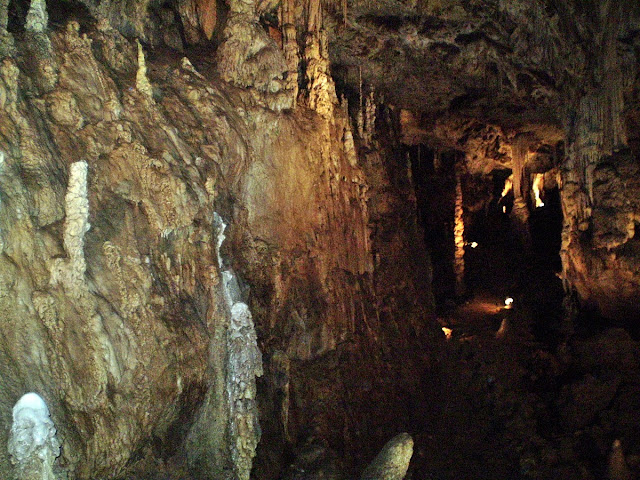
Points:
(33, 445)
(617, 468)
(77, 219)
(72, 271)
(369, 118)
(37, 18)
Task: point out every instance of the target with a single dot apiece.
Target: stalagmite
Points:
(37, 18)
(142, 81)
(503, 330)
(33, 445)
(538, 186)
(393, 460)
(6, 39)
(360, 114)
(458, 234)
(369, 118)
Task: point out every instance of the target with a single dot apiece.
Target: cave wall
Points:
(599, 188)
(113, 297)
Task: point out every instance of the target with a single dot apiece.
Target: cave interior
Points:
(319, 239)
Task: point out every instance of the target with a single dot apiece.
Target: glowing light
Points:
(504, 209)
(508, 185)
(538, 185)
(508, 302)
(474, 244)
(447, 332)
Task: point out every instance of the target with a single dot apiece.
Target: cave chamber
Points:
(319, 239)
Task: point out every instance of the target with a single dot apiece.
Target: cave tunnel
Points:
(310, 240)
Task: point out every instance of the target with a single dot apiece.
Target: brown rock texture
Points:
(112, 290)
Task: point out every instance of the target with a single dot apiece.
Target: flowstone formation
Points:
(33, 445)
(244, 364)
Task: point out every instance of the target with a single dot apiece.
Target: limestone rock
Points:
(393, 460)
(37, 18)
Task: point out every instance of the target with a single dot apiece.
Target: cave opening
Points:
(498, 262)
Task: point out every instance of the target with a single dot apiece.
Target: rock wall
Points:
(599, 187)
(112, 304)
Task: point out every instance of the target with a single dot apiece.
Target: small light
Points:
(504, 209)
(447, 332)
(508, 302)
(474, 244)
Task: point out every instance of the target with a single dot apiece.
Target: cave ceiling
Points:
(461, 66)
(458, 74)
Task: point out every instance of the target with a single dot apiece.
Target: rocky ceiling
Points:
(458, 67)
(461, 65)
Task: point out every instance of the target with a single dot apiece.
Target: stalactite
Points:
(520, 211)
(458, 233)
(360, 113)
(320, 86)
(314, 21)
(369, 118)
(290, 46)
(595, 130)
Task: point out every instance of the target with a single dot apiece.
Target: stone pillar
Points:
(520, 212)
(458, 233)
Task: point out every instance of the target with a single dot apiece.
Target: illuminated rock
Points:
(393, 460)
